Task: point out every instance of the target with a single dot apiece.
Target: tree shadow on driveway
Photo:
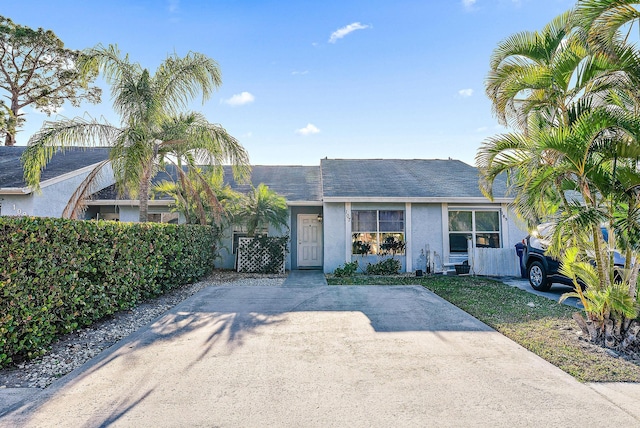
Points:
(218, 321)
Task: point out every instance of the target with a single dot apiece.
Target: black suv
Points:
(542, 270)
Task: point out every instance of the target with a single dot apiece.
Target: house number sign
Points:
(18, 211)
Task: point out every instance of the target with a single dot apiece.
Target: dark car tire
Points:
(537, 275)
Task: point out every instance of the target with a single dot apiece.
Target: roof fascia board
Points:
(161, 202)
(472, 200)
(130, 202)
(14, 191)
(49, 182)
(304, 203)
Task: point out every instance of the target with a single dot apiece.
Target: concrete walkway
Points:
(305, 278)
(325, 356)
(554, 293)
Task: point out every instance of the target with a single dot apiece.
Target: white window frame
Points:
(474, 231)
(377, 232)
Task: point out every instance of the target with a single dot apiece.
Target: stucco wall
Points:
(53, 197)
(426, 236)
(333, 224)
(16, 205)
(517, 229)
(129, 213)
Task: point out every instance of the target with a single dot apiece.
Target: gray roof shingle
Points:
(334, 178)
(402, 178)
(295, 183)
(11, 175)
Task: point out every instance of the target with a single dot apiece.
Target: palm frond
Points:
(604, 18)
(61, 136)
(180, 80)
(78, 201)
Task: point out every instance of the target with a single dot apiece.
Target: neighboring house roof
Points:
(402, 179)
(70, 162)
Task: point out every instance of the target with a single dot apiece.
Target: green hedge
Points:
(57, 275)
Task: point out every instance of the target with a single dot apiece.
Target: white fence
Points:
(494, 262)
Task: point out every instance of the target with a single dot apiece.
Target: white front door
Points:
(309, 240)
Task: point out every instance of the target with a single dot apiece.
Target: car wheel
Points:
(538, 277)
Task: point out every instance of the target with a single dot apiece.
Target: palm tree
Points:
(192, 195)
(575, 106)
(538, 80)
(532, 83)
(606, 19)
(607, 26)
(261, 208)
(532, 71)
(154, 130)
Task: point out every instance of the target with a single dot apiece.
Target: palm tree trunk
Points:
(143, 196)
(600, 259)
(595, 232)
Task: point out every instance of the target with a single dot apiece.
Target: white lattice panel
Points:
(252, 258)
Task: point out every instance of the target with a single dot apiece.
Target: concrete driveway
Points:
(325, 356)
(554, 293)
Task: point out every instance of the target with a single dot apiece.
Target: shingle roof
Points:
(334, 178)
(402, 178)
(11, 175)
(295, 183)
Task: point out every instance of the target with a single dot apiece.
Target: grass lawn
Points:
(541, 325)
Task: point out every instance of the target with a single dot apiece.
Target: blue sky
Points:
(304, 80)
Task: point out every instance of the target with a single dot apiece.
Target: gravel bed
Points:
(74, 349)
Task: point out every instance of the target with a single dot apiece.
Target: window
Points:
(377, 232)
(162, 218)
(482, 227)
(154, 218)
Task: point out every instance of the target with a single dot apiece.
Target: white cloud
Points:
(341, 32)
(465, 93)
(308, 130)
(295, 73)
(468, 4)
(240, 99)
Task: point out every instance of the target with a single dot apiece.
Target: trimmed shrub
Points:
(385, 267)
(349, 269)
(58, 275)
